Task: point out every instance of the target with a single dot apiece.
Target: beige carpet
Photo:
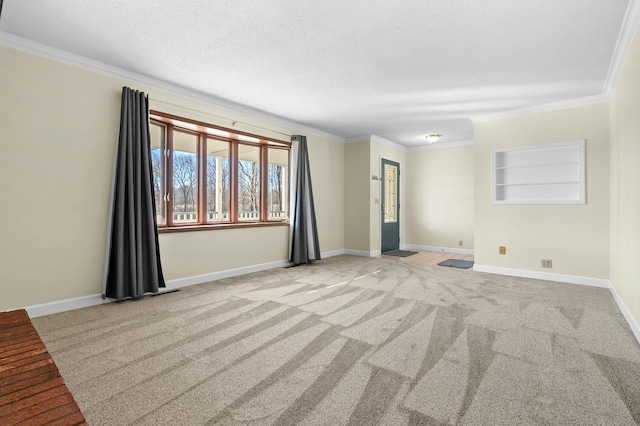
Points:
(354, 341)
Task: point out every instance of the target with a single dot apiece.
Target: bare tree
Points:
(212, 184)
(275, 187)
(185, 175)
(226, 166)
(249, 179)
(156, 164)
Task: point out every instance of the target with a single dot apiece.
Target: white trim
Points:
(627, 35)
(361, 253)
(38, 49)
(438, 249)
(547, 276)
(96, 299)
(387, 142)
(65, 305)
(332, 253)
(441, 145)
(356, 139)
(214, 276)
(633, 324)
(570, 103)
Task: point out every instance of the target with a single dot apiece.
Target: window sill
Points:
(200, 227)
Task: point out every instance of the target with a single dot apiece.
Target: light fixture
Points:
(433, 137)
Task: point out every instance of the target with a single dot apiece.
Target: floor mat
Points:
(457, 263)
(400, 253)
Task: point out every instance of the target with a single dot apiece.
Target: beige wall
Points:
(377, 152)
(59, 126)
(625, 182)
(575, 237)
(356, 196)
(439, 193)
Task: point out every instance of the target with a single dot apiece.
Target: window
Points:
(207, 176)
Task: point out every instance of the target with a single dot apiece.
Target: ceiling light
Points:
(433, 137)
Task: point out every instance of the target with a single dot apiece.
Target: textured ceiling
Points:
(396, 69)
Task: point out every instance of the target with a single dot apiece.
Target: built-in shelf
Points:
(539, 174)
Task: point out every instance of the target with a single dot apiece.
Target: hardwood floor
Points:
(428, 257)
(32, 392)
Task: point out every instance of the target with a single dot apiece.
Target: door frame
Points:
(379, 206)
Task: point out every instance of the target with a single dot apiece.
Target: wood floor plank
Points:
(74, 419)
(7, 319)
(18, 343)
(26, 368)
(40, 398)
(27, 360)
(32, 392)
(32, 411)
(24, 351)
(9, 333)
(4, 381)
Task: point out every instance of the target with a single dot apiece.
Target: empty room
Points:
(320, 213)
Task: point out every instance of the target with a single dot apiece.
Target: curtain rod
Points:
(233, 122)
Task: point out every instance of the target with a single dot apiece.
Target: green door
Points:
(390, 206)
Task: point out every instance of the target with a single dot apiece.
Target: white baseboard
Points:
(332, 253)
(96, 299)
(65, 305)
(571, 279)
(362, 253)
(547, 276)
(440, 249)
(214, 276)
(633, 324)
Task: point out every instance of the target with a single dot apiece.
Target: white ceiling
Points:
(396, 69)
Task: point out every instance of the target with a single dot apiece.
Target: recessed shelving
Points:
(539, 174)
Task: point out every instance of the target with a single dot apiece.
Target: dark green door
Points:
(390, 203)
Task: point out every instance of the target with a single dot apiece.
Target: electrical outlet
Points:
(460, 243)
(503, 250)
(547, 263)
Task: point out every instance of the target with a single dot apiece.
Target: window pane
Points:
(278, 195)
(157, 164)
(248, 183)
(218, 181)
(185, 178)
(390, 196)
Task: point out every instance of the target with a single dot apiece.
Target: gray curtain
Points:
(132, 264)
(304, 244)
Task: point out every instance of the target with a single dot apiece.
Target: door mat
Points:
(456, 263)
(400, 253)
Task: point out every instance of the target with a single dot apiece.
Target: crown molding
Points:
(627, 35)
(570, 103)
(387, 142)
(42, 50)
(377, 139)
(356, 139)
(442, 145)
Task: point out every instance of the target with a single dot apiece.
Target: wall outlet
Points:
(460, 243)
(547, 263)
(502, 250)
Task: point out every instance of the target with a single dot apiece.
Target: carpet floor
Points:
(356, 341)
